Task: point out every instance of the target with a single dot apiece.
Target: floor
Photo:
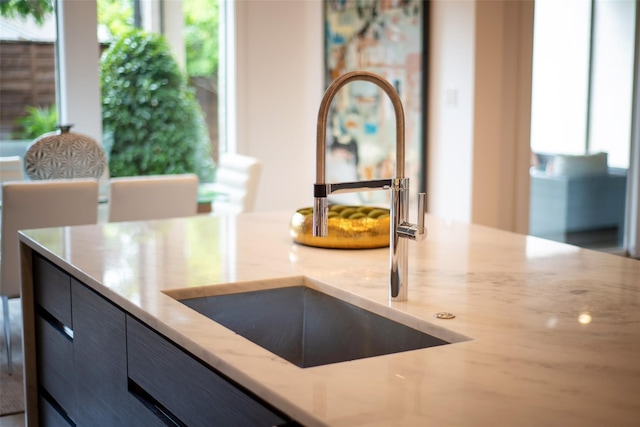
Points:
(16, 420)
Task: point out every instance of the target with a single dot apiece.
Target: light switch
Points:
(451, 97)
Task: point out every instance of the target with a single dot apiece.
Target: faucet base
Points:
(320, 217)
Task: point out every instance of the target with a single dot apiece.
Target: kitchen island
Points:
(544, 333)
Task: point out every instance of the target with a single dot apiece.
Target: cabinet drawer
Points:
(191, 391)
(100, 363)
(55, 364)
(52, 288)
(49, 416)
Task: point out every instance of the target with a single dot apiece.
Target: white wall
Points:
(479, 111)
(79, 68)
(502, 114)
(450, 126)
(279, 76)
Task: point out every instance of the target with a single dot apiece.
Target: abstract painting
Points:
(386, 37)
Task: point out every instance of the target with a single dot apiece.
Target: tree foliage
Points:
(116, 16)
(151, 117)
(201, 19)
(200, 30)
(37, 9)
(200, 25)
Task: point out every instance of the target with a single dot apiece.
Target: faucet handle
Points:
(415, 231)
(422, 201)
(422, 230)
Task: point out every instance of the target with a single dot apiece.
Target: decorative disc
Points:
(60, 155)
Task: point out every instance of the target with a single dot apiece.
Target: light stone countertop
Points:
(554, 330)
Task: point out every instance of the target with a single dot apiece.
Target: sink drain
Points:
(444, 315)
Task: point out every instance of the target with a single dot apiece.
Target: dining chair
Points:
(148, 197)
(11, 170)
(38, 204)
(236, 182)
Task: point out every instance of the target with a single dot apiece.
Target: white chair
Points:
(237, 179)
(11, 170)
(38, 204)
(149, 197)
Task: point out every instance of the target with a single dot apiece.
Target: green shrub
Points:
(37, 122)
(39, 10)
(151, 119)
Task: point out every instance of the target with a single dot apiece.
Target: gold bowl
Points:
(350, 227)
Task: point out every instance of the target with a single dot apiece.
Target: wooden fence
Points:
(27, 78)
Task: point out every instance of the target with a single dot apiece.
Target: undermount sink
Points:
(309, 328)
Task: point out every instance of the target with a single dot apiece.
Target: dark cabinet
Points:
(190, 392)
(50, 416)
(54, 342)
(100, 356)
(99, 366)
(52, 291)
(55, 365)
(81, 355)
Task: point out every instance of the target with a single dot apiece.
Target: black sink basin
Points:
(309, 328)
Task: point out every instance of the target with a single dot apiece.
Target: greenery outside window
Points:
(199, 77)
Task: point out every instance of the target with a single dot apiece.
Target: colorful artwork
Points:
(385, 37)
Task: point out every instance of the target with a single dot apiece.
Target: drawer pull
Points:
(55, 323)
(157, 408)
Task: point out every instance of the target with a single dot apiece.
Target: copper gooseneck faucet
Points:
(401, 229)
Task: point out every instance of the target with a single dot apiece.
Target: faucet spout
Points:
(401, 229)
(323, 115)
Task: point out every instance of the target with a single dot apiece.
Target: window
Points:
(189, 26)
(581, 106)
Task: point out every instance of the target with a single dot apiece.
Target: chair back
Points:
(11, 170)
(237, 178)
(39, 204)
(150, 197)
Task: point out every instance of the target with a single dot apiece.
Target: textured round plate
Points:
(64, 154)
(350, 227)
